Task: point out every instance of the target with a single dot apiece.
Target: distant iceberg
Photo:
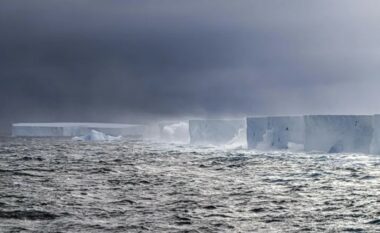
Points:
(323, 133)
(75, 129)
(375, 144)
(97, 136)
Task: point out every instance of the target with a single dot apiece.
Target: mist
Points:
(139, 61)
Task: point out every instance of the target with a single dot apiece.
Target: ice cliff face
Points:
(75, 129)
(214, 132)
(258, 133)
(375, 145)
(286, 130)
(325, 133)
(275, 132)
(338, 133)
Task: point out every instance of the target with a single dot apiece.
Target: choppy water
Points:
(56, 185)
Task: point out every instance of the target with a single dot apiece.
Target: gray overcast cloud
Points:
(131, 61)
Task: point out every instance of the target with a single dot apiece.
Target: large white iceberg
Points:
(278, 132)
(338, 133)
(75, 129)
(214, 132)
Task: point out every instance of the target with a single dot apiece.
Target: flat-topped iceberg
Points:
(214, 132)
(278, 132)
(75, 129)
(338, 133)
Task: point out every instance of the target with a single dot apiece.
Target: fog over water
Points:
(135, 61)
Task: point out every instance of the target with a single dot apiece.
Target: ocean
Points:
(61, 185)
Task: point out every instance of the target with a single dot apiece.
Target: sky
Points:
(138, 61)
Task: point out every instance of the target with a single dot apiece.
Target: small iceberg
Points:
(97, 136)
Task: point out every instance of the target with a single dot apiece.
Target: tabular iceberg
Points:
(75, 129)
(275, 132)
(215, 132)
(338, 133)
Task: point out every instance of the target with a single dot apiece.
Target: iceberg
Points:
(214, 132)
(75, 129)
(97, 136)
(278, 132)
(375, 144)
(338, 133)
(258, 134)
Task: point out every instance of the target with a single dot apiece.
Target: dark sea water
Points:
(59, 185)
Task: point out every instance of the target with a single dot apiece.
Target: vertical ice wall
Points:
(338, 133)
(375, 145)
(37, 131)
(289, 129)
(215, 132)
(257, 131)
(64, 129)
(275, 132)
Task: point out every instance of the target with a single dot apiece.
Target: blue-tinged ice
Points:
(338, 133)
(278, 132)
(75, 129)
(375, 145)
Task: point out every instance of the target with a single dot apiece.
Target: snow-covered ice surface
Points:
(58, 185)
(66, 129)
(97, 136)
(280, 132)
(214, 132)
(338, 133)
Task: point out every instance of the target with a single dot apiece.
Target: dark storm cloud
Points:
(135, 60)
